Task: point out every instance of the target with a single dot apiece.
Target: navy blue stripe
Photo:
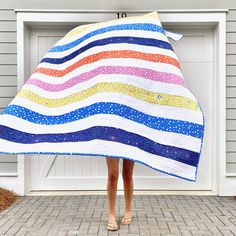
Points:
(112, 40)
(104, 133)
(158, 123)
(134, 26)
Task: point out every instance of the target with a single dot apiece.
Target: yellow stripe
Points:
(83, 28)
(139, 93)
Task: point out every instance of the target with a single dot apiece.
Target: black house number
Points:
(121, 15)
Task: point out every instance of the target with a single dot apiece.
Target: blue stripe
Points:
(158, 123)
(111, 40)
(104, 133)
(137, 26)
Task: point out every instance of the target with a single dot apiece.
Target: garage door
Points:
(64, 172)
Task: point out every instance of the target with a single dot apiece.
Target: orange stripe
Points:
(109, 54)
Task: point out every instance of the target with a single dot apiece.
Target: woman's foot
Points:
(127, 219)
(112, 225)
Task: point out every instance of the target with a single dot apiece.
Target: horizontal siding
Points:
(230, 125)
(7, 15)
(231, 92)
(8, 37)
(231, 49)
(231, 135)
(7, 26)
(231, 167)
(231, 147)
(231, 16)
(6, 69)
(8, 81)
(8, 168)
(230, 81)
(230, 59)
(8, 58)
(231, 70)
(231, 158)
(5, 101)
(230, 37)
(8, 48)
(230, 102)
(231, 113)
(231, 26)
(7, 92)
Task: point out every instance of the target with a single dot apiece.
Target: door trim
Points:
(216, 19)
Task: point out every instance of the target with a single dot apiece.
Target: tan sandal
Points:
(112, 225)
(126, 220)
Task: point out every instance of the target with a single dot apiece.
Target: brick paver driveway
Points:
(153, 215)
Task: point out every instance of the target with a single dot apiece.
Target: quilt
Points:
(109, 89)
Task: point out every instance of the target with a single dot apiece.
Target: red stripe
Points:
(110, 54)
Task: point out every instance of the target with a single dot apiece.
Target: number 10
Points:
(121, 15)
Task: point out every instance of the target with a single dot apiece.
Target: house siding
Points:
(8, 82)
(231, 91)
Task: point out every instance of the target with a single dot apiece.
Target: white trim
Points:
(119, 192)
(231, 175)
(121, 10)
(13, 174)
(210, 17)
(221, 145)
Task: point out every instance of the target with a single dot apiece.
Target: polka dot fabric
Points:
(109, 89)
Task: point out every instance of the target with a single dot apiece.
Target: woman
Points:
(113, 175)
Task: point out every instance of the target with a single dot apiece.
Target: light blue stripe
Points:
(158, 123)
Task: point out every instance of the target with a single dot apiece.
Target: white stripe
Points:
(128, 33)
(105, 148)
(97, 26)
(139, 82)
(107, 48)
(163, 137)
(140, 105)
(159, 67)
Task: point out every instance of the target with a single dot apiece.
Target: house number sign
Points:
(121, 15)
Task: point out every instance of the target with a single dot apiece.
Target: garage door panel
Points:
(76, 172)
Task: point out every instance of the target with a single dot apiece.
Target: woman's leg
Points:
(113, 175)
(127, 174)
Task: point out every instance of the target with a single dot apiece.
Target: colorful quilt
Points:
(111, 89)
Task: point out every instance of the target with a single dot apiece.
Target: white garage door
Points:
(62, 172)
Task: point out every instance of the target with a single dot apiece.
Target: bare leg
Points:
(127, 175)
(113, 175)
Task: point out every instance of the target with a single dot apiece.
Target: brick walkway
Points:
(153, 215)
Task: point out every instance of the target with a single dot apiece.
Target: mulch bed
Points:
(7, 197)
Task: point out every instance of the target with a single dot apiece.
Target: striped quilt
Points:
(111, 89)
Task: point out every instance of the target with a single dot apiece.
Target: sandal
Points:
(126, 220)
(112, 225)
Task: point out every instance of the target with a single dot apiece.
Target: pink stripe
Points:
(129, 70)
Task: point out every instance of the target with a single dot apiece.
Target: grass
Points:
(7, 197)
